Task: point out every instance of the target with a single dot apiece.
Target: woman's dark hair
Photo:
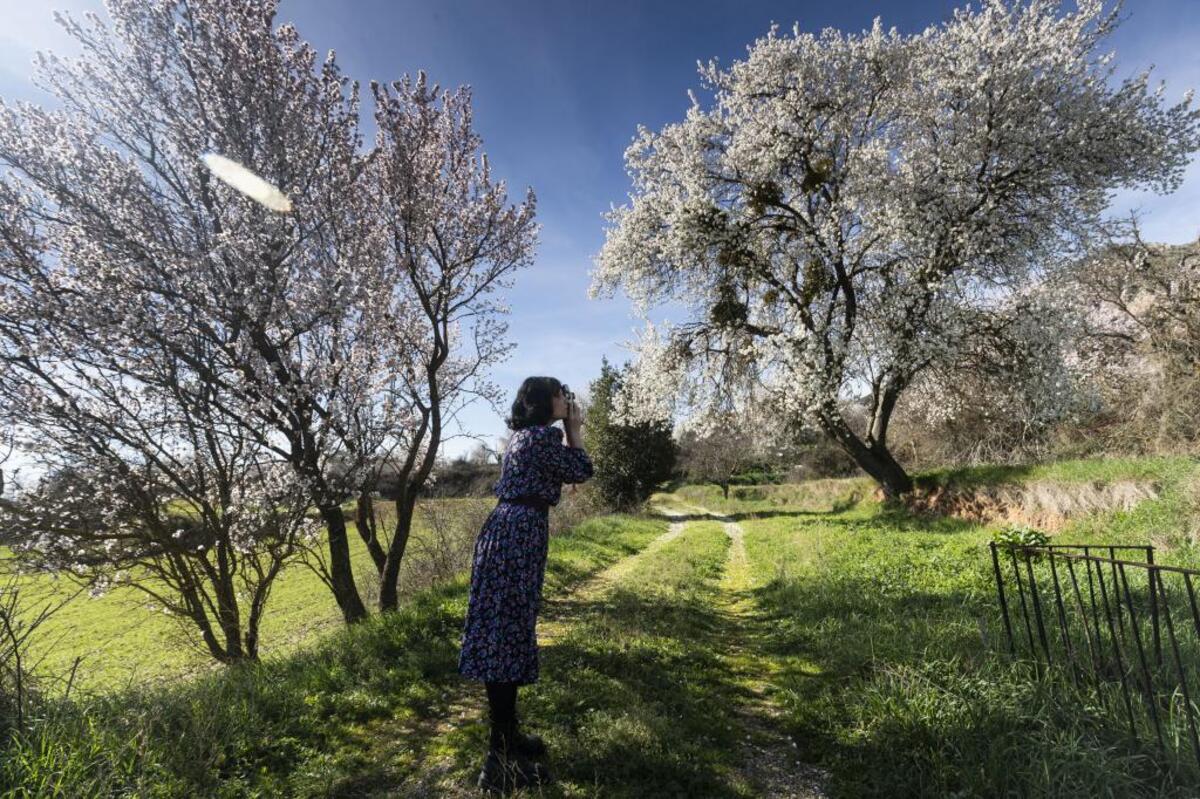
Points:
(533, 403)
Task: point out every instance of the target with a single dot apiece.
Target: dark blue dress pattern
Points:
(499, 641)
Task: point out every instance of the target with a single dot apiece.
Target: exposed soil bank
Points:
(1046, 505)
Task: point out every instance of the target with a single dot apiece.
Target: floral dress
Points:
(499, 641)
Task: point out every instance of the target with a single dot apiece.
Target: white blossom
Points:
(847, 206)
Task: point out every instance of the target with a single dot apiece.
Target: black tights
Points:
(502, 701)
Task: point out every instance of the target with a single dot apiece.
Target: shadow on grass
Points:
(635, 699)
(896, 691)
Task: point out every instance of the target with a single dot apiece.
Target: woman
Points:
(499, 642)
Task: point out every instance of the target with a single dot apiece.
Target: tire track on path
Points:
(769, 765)
(767, 761)
(560, 612)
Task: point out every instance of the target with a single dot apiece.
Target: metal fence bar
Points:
(1024, 608)
(1077, 594)
(1112, 565)
(1116, 649)
(1187, 580)
(1147, 682)
(1037, 605)
(1154, 610)
(1187, 696)
(1095, 611)
(1111, 547)
(1012, 648)
(1115, 609)
(1062, 623)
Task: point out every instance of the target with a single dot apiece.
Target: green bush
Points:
(1019, 535)
(631, 461)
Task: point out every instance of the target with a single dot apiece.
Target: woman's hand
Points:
(572, 423)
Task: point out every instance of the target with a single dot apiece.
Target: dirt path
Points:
(769, 766)
(558, 613)
(438, 774)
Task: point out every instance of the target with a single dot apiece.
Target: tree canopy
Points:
(852, 210)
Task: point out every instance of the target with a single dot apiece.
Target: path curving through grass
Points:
(652, 682)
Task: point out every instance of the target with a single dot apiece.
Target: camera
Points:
(568, 396)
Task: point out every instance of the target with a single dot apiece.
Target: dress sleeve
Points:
(564, 464)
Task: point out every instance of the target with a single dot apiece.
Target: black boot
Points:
(506, 769)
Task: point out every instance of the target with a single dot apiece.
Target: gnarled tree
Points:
(843, 212)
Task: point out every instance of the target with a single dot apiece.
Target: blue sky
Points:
(559, 88)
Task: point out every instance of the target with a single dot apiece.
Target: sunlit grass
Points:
(303, 724)
(876, 632)
(119, 640)
(894, 675)
(1067, 471)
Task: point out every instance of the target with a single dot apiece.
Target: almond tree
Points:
(146, 482)
(1139, 343)
(1013, 378)
(842, 213)
(127, 257)
(450, 240)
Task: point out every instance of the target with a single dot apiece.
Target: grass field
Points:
(121, 642)
(796, 637)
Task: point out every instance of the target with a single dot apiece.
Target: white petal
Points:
(247, 182)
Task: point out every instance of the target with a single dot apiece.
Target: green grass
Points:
(1067, 471)
(634, 702)
(811, 496)
(890, 639)
(122, 642)
(599, 543)
(875, 632)
(301, 724)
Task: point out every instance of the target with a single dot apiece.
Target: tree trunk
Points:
(875, 459)
(197, 615)
(228, 616)
(389, 582)
(251, 646)
(367, 530)
(389, 589)
(341, 573)
(881, 465)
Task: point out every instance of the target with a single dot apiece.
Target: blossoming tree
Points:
(129, 259)
(1139, 340)
(146, 482)
(844, 211)
(327, 339)
(449, 239)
